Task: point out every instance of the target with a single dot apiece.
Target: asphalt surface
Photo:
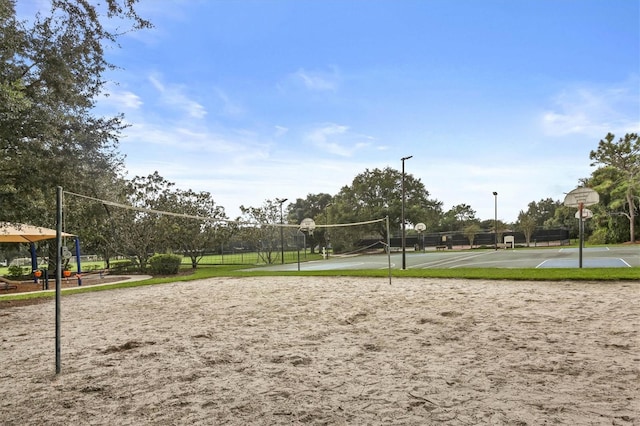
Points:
(553, 257)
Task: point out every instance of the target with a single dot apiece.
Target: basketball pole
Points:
(388, 249)
(581, 231)
(581, 197)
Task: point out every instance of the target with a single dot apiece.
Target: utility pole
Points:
(281, 201)
(495, 221)
(404, 254)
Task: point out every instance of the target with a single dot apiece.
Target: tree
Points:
(138, 232)
(527, 224)
(314, 207)
(623, 156)
(470, 231)
(458, 217)
(564, 217)
(50, 77)
(493, 226)
(193, 237)
(375, 194)
(542, 210)
(261, 227)
(93, 220)
(610, 222)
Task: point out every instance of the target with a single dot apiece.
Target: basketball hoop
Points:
(586, 214)
(581, 197)
(308, 225)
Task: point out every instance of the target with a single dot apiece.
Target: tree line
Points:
(51, 74)
(378, 193)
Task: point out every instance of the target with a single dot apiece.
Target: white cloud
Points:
(229, 107)
(280, 131)
(121, 100)
(233, 147)
(516, 183)
(594, 111)
(338, 140)
(317, 80)
(562, 124)
(238, 167)
(251, 181)
(327, 138)
(174, 95)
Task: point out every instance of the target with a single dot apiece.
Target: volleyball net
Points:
(125, 231)
(114, 229)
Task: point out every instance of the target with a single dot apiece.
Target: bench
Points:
(438, 248)
(7, 286)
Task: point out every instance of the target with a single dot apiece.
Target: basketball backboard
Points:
(581, 196)
(307, 225)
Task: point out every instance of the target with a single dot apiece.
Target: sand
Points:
(335, 351)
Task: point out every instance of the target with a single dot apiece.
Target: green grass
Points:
(547, 274)
(550, 274)
(235, 270)
(250, 258)
(243, 259)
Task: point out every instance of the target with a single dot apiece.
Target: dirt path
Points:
(291, 350)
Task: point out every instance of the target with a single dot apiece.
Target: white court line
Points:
(585, 249)
(479, 265)
(593, 262)
(543, 262)
(331, 266)
(444, 262)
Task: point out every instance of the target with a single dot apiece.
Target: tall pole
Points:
(388, 249)
(404, 254)
(580, 232)
(281, 201)
(495, 221)
(58, 275)
(326, 231)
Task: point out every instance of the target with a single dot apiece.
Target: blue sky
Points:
(264, 99)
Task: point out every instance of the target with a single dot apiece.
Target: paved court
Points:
(592, 257)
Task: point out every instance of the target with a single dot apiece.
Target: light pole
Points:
(404, 254)
(326, 232)
(281, 201)
(495, 221)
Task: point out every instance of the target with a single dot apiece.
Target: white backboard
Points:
(584, 196)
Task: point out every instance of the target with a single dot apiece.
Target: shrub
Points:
(165, 264)
(16, 272)
(599, 236)
(122, 266)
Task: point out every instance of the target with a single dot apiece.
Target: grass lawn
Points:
(213, 266)
(559, 274)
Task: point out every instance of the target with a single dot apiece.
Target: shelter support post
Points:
(34, 261)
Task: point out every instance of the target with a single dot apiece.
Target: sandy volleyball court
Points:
(293, 350)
